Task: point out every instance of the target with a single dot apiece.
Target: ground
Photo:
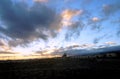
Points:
(60, 68)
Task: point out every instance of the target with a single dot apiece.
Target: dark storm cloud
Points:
(26, 23)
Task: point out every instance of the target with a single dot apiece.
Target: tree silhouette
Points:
(64, 55)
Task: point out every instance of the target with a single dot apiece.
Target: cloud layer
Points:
(24, 23)
(54, 24)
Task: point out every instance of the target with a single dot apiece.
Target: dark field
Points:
(60, 68)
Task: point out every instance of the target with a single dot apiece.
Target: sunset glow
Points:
(48, 28)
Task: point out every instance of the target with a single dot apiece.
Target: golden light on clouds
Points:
(68, 14)
(26, 53)
(95, 19)
(44, 28)
(48, 52)
(66, 23)
(4, 46)
(19, 55)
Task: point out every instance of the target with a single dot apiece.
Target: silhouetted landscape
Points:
(94, 66)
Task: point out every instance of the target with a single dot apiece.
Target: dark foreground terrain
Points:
(61, 68)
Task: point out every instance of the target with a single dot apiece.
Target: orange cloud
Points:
(95, 19)
(68, 14)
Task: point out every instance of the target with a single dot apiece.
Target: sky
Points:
(49, 28)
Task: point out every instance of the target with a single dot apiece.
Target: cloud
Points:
(97, 39)
(95, 23)
(110, 43)
(4, 46)
(75, 46)
(72, 52)
(74, 30)
(95, 19)
(73, 27)
(26, 23)
(2, 43)
(72, 46)
(41, 1)
(109, 9)
(76, 49)
(68, 14)
(87, 45)
(5, 52)
(49, 52)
